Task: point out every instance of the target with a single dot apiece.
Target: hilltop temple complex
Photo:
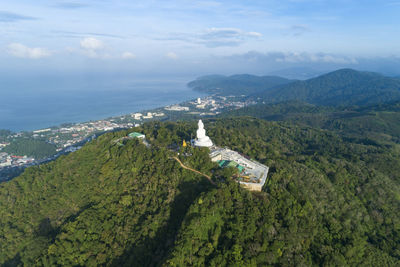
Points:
(252, 174)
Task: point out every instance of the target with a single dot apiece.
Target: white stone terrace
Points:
(256, 172)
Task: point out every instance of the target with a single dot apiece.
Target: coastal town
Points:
(69, 137)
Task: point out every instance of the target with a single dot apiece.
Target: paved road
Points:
(193, 170)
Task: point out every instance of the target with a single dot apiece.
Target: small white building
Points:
(42, 130)
(177, 108)
(148, 116)
(3, 145)
(137, 116)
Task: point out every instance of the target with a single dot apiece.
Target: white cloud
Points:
(171, 55)
(91, 43)
(229, 32)
(128, 55)
(216, 37)
(254, 34)
(91, 46)
(22, 51)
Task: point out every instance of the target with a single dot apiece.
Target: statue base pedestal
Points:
(204, 142)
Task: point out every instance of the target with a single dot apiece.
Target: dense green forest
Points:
(30, 147)
(380, 123)
(329, 200)
(243, 84)
(4, 134)
(339, 88)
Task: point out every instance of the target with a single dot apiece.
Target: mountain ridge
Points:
(343, 87)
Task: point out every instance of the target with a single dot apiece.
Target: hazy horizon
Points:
(193, 38)
(68, 47)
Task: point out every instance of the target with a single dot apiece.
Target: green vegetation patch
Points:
(31, 148)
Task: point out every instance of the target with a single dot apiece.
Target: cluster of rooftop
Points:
(7, 160)
(150, 115)
(177, 108)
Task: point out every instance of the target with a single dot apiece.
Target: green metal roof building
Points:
(229, 163)
(136, 135)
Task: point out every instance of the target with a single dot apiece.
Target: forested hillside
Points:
(344, 87)
(339, 88)
(30, 147)
(376, 122)
(4, 134)
(328, 201)
(94, 206)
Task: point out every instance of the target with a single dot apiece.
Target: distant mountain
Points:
(243, 84)
(341, 87)
(300, 73)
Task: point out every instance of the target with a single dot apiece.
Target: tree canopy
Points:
(328, 200)
(30, 147)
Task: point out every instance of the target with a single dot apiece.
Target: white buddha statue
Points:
(202, 139)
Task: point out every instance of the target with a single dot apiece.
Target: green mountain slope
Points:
(328, 201)
(243, 84)
(320, 205)
(338, 88)
(377, 122)
(90, 207)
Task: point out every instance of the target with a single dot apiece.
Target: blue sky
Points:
(199, 36)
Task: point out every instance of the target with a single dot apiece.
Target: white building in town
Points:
(137, 116)
(177, 108)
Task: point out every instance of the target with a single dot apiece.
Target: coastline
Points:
(69, 137)
(53, 110)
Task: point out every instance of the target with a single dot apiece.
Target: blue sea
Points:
(39, 102)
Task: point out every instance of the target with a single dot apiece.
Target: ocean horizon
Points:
(40, 103)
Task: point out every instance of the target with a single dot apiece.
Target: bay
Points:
(41, 102)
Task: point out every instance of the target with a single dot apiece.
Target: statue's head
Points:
(200, 124)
